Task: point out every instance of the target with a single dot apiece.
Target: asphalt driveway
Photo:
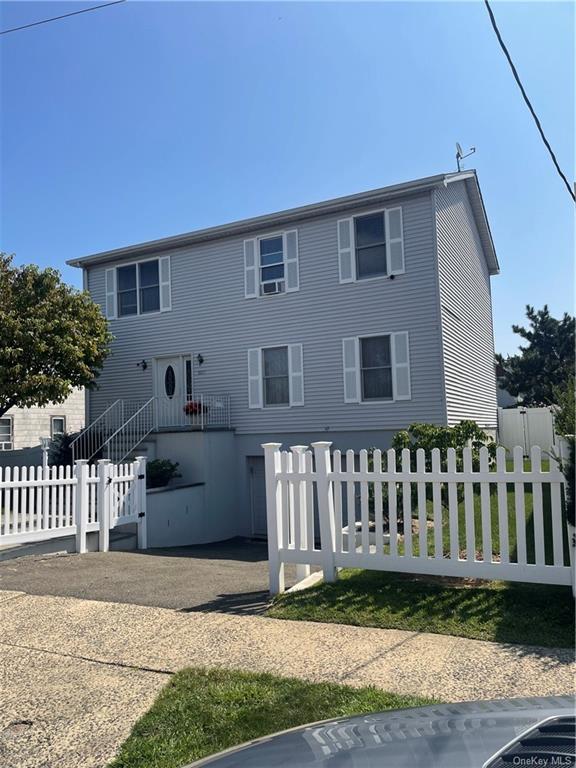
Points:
(229, 577)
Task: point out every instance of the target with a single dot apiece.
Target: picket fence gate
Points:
(330, 510)
(42, 503)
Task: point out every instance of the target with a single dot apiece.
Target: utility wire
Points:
(527, 100)
(56, 18)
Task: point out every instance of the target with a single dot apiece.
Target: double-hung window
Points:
(138, 289)
(271, 264)
(271, 250)
(371, 245)
(376, 368)
(6, 434)
(57, 426)
(275, 376)
(370, 240)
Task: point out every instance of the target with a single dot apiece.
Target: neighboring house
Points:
(345, 320)
(23, 428)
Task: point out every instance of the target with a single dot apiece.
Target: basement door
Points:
(257, 490)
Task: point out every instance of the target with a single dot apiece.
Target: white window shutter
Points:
(165, 284)
(250, 270)
(395, 241)
(401, 366)
(351, 362)
(111, 294)
(255, 378)
(296, 374)
(346, 260)
(291, 260)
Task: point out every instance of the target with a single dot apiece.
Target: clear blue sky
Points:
(153, 118)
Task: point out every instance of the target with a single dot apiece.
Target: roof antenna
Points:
(460, 155)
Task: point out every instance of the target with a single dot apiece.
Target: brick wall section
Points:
(30, 424)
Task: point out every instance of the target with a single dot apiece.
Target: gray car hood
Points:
(463, 735)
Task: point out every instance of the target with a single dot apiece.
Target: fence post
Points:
(273, 514)
(103, 501)
(81, 504)
(141, 502)
(302, 569)
(325, 508)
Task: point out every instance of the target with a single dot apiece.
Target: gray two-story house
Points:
(344, 320)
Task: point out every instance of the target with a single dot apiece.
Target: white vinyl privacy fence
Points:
(41, 503)
(442, 513)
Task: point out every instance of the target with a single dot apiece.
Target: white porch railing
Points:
(415, 516)
(198, 412)
(41, 503)
(118, 431)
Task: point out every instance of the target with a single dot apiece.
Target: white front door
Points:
(171, 389)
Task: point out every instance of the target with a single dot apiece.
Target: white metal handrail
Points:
(90, 440)
(125, 439)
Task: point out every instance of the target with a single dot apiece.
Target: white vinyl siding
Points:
(211, 316)
(276, 376)
(360, 375)
(466, 311)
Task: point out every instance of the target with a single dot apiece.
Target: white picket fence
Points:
(489, 522)
(41, 503)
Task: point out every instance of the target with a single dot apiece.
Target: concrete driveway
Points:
(229, 577)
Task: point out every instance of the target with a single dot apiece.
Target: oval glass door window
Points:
(170, 382)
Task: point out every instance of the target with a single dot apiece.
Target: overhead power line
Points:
(528, 104)
(64, 16)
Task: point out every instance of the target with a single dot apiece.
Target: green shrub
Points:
(159, 472)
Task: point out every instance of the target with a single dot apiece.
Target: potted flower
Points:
(195, 408)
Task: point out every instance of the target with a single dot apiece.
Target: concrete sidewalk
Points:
(77, 674)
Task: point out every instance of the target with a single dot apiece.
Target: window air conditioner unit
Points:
(275, 287)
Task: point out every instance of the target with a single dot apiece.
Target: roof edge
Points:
(287, 216)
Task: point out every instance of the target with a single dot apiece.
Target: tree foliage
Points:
(429, 436)
(53, 338)
(545, 363)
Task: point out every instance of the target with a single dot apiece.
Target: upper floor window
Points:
(57, 426)
(271, 264)
(138, 289)
(370, 240)
(371, 245)
(6, 434)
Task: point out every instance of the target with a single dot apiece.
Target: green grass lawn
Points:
(201, 712)
(534, 614)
